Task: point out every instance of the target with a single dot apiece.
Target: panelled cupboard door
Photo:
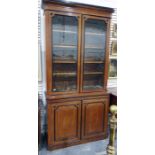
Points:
(94, 118)
(64, 121)
(94, 53)
(63, 45)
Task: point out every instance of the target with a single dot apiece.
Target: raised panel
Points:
(94, 116)
(66, 118)
(64, 122)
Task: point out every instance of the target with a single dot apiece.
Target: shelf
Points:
(94, 47)
(93, 62)
(66, 61)
(65, 74)
(92, 87)
(75, 46)
(92, 33)
(65, 46)
(56, 30)
(92, 73)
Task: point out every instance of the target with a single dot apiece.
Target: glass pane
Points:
(94, 54)
(64, 53)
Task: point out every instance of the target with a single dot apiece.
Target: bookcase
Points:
(77, 58)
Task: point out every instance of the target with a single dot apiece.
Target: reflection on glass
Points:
(94, 54)
(64, 53)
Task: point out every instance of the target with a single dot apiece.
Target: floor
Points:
(92, 148)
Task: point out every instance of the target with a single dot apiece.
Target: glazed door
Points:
(94, 53)
(94, 118)
(63, 53)
(64, 123)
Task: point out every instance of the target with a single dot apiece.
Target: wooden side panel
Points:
(64, 121)
(94, 117)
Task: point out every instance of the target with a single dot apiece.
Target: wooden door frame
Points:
(106, 63)
(48, 31)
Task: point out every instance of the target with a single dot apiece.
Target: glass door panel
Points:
(94, 54)
(64, 53)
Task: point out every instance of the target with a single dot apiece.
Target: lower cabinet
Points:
(94, 118)
(75, 122)
(64, 123)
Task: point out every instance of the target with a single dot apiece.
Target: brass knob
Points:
(113, 109)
